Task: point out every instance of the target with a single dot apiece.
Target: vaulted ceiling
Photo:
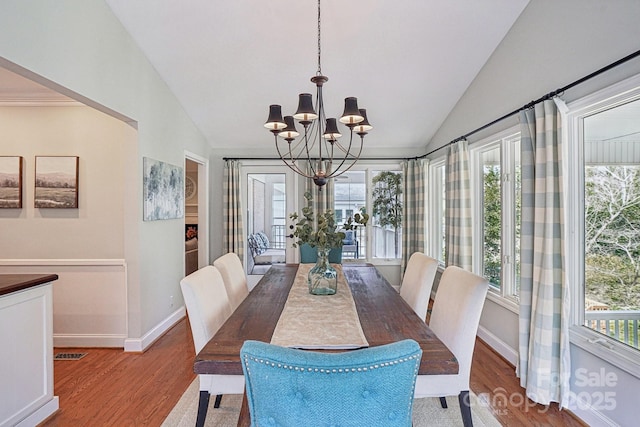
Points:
(407, 62)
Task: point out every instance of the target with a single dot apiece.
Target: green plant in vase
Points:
(321, 232)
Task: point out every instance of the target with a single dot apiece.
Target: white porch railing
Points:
(621, 325)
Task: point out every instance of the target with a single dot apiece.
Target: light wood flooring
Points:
(111, 388)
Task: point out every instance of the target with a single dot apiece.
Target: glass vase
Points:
(323, 278)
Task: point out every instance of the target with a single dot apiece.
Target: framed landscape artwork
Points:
(10, 182)
(56, 182)
(163, 190)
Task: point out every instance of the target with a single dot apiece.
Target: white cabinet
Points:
(26, 356)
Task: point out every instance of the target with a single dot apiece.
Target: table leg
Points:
(244, 420)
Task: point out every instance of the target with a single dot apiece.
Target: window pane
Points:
(518, 216)
(492, 215)
(387, 214)
(612, 222)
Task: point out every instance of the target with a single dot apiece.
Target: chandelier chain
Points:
(319, 73)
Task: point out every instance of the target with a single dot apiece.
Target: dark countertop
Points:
(17, 282)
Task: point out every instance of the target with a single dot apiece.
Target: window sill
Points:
(507, 303)
(611, 351)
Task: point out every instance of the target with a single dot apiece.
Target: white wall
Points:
(552, 44)
(84, 246)
(96, 228)
(80, 48)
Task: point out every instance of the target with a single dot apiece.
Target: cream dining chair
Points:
(454, 319)
(235, 281)
(418, 281)
(208, 308)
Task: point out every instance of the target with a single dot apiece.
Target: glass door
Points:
(269, 198)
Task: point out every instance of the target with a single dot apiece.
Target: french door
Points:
(269, 196)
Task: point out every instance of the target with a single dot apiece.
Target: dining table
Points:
(384, 318)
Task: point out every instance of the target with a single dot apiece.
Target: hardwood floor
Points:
(111, 388)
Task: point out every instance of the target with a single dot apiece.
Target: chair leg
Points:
(216, 404)
(203, 405)
(465, 408)
(443, 402)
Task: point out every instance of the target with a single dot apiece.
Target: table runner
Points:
(319, 321)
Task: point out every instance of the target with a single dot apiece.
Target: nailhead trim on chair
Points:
(328, 371)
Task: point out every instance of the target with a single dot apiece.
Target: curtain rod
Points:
(549, 95)
(313, 158)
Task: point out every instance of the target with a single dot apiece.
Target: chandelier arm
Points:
(354, 160)
(344, 159)
(291, 165)
(321, 117)
(306, 146)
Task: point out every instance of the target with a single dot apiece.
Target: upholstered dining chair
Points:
(418, 281)
(367, 387)
(208, 308)
(454, 319)
(235, 281)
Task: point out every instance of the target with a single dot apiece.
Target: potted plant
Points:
(319, 235)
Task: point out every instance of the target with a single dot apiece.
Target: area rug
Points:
(426, 411)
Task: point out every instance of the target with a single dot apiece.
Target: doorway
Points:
(268, 201)
(196, 250)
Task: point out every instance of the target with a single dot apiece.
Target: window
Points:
(436, 202)
(496, 199)
(604, 221)
(377, 191)
(386, 201)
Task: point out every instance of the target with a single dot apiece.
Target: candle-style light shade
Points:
(305, 112)
(351, 114)
(275, 122)
(290, 132)
(363, 126)
(331, 132)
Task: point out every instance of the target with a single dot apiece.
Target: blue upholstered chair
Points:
(367, 387)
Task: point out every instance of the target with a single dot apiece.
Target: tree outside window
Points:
(387, 206)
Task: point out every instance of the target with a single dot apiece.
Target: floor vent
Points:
(69, 356)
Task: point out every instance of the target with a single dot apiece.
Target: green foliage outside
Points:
(387, 203)
(612, 236)
(492, 212)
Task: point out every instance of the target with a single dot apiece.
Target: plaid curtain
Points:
(233, 240)
(415, 189)
(458, 206)
(543, 362)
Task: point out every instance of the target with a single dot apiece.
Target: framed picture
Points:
(163, 190)
(56, 182)
(10, 182)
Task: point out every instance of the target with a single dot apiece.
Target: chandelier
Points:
(318, 150)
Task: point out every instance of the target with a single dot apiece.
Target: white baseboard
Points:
(71, 340)
(41, 414)
(500, 347)
(590, 416)
(141, 344)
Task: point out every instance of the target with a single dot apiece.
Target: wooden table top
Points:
(385, 317)
(10, 283)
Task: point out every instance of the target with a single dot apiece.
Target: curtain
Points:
(413, 216)
(232, 239)
(543, 360)
(323, 197)
(458, 206)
